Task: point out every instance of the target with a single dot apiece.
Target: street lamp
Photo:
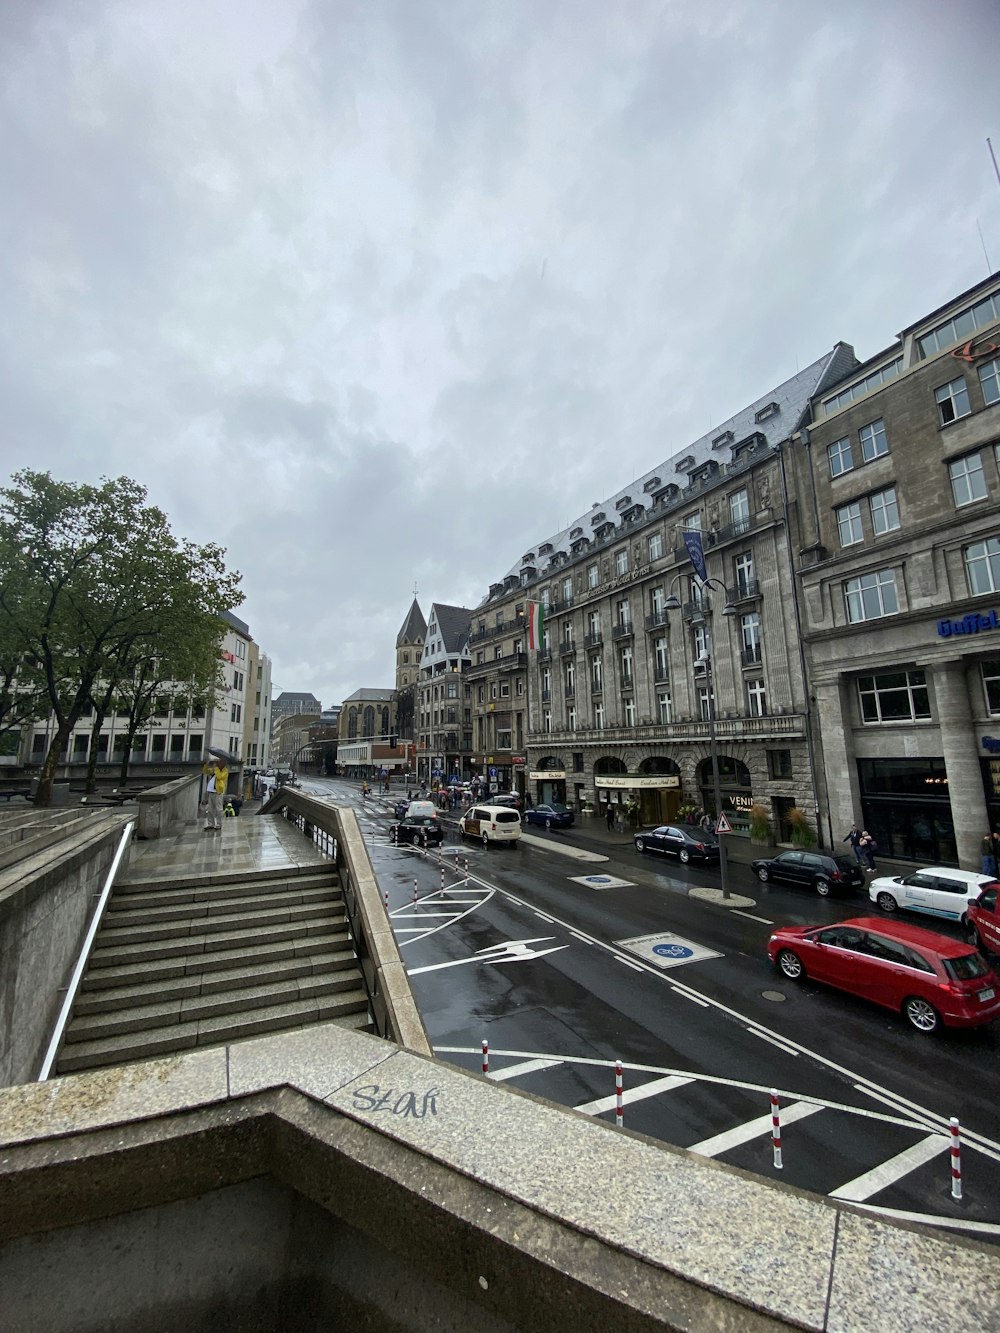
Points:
(705, 660)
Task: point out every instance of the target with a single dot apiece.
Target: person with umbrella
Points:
(218, 779)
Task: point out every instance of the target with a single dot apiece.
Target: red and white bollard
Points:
(442, 877)
(776, 1128)
(619, 1105)
(414, 893)
(956, 1159)
(386, 897)
(486, 1057)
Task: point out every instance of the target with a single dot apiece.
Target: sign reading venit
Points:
(666, 949)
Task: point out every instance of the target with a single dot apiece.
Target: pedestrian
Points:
(610, 816)
(988, 859)
(218, 780)
(854, 838)
(706, 822)
(868, 847)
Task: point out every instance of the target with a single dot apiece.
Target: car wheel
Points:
(685, 855)
(640, 846)
(972, 935)
(921, 1014)
(486, 840)
(763, 874)
(823, 887)
(548, 823)
(790, 964)
(887, 902)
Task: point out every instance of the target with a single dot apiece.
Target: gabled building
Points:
(443, 723)
(409, 648)
(899, 548)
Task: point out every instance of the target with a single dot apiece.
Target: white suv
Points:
(935, 891)
(491, 823)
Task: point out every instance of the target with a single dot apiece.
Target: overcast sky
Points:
(377, 294)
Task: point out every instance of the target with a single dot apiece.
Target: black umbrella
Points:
(220, 753)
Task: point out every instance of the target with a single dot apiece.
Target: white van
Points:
(490, 823)
(935, 891)
(421, 809)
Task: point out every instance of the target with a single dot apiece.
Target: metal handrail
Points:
(81, 962)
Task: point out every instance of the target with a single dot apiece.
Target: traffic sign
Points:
(723, 826)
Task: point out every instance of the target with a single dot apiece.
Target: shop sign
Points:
(740, 802)
(627, 780)
(518, 760)
(991, 745)
(970, 353)
(973, 623)
(547, 774)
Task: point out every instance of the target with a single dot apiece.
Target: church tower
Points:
(409, 647)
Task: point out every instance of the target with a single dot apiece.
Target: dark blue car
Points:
(550, 816)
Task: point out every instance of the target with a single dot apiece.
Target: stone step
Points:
(172, 910)
(213, 883)
(350, 1008)
(112, 934)
(145, 968)
(237, 1001)
(135, 898)
(252, 937)
(120, 994)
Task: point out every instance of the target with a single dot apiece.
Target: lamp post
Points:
(704, 586)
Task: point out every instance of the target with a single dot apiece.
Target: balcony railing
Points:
(661, 675)
(628, 683)
(593, 640)
(546, 696)
(567, 647)
(622, 631)
(569, 691)
(751, 657)
(544, 654)
(597, 687)
(783, 726)
(656, 620)
(745, 591)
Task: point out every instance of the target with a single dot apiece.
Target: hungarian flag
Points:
(536, 626)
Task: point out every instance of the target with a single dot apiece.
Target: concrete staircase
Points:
(185, 963)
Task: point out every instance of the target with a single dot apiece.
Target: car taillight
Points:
(836, 875)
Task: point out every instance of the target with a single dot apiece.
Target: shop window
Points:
(894, 696)
(991, 685)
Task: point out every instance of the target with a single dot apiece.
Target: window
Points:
(779, 763)
(664, 708)
(546, 599)
(953, 401)
(621, 561)
(657, 604)
(706, 702)
(982, 565)
(743, 570)
(739, 511)
(660, 658)
(567, 634)
(991, 685)
(700, 640)
(750, 629)
(569, 678)
(989, 378)
(756, 698)
(894, 696)
(571, 718)
(962, 325)
(594, 625)
(546, 720)
(628, 712)
(840, 457)
(599, 715)
(968, 481)
(567, 590)
(871, 596)
(625, 665)
(593, 574)
(546, 684)
(596, 674)
(885, 511)
(693, 522)
(874, 443)
(235, 712)
(849, 524)
(623, 613)
(656, 546)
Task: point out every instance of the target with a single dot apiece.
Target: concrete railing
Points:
(46, 901)
(335, 830)
(161, 806)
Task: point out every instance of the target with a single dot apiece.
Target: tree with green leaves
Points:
(92, 582)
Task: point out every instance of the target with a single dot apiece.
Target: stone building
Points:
(443, 725)
(615, 704)
(899, 533)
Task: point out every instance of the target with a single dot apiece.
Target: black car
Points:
(509, 799)
(424, 830)
(811, 870)
(678, 840)
(400, 808)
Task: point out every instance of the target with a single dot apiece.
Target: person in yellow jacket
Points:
(218, 779)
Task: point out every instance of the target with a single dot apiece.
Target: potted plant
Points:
(803, 833)
(760, 824)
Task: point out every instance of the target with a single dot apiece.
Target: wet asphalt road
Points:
(521, 955)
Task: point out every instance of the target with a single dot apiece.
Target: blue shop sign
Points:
(973, 623)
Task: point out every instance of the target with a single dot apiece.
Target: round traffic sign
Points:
(673, 951)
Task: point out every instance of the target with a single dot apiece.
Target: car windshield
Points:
(506, 817)
(967, 968)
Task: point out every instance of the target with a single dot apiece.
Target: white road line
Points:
(582, 938)
(750, 917)
(422, 916)
(525, 1067)
(633, 1095)
(686, 995)
(789, 1050)
(628, 963)
(752, 1129)
(881, 1177)
(545, 918)
(949, 1223)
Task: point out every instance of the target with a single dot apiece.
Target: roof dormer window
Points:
(599, 517)
(623, 503)
(767, 411)
(722, 440)
(651, 484)
(684, 464)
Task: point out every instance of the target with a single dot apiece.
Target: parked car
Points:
(690, 844)
(490, 823)
(510, 799)
(936, 891)
(422, 829)
(811, 870)
(549, 816)
(929, 978)
(984, 920)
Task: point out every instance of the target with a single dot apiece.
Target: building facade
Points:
(899, 541)
(443, 720)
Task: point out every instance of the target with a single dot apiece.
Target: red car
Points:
(984, 921)
(929, 978)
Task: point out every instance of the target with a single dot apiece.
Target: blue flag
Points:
(692, 540)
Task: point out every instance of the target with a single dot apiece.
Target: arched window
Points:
(609, 764)
(369, 722)
(659, 764)
(352, 724)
